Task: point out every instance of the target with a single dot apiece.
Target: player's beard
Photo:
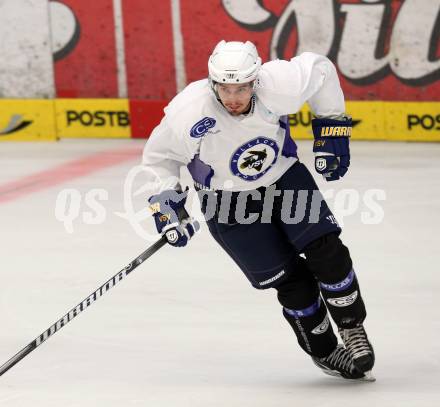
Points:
(238, 111)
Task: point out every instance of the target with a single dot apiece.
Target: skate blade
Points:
(332, 373)
(368, 377)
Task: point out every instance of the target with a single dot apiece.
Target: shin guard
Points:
(344, 301)
(312, 328)
(329, 261)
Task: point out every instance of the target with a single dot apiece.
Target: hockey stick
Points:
(82, 305)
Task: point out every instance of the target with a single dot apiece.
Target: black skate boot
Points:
(360, 349)
(340, 364)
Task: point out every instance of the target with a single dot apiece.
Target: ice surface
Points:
(186, 328)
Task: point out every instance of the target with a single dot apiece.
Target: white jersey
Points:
(243, 152)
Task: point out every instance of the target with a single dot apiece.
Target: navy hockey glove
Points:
(171, 217)
(331, 147)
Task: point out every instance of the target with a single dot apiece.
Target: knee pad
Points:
(300, 288)
(328, 259)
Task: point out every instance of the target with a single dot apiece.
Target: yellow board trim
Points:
(48, 120)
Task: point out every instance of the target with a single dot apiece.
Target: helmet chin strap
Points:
(250, 110)
(213, 86)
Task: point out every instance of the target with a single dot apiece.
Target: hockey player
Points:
(232, 133)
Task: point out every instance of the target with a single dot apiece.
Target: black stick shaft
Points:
(82, 306)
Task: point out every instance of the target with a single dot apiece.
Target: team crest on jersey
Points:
(202, 127)
(253, 159)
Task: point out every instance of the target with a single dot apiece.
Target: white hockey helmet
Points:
(234, 62)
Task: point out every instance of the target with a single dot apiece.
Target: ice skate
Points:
(357, 344)
(340, 364)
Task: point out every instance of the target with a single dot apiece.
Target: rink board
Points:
(93, 118)
(400, 121)
(33, 120)
(27, 120)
